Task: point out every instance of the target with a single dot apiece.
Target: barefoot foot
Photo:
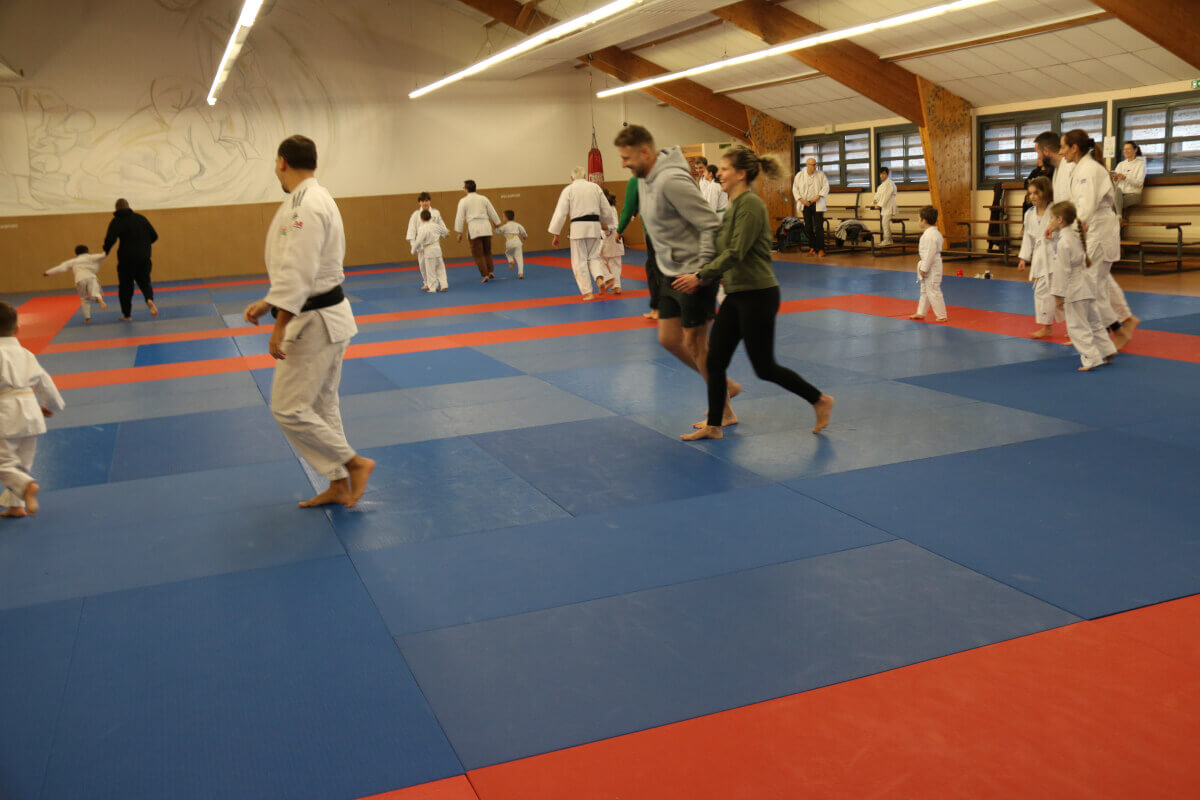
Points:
(337, 494)
(917, 316)
(103, 305)
(588, 297)
(31, 498)
(153, 308)
(87, 320)
(824, 409)
(704, 432)
(733, 387)
(1042, 332)
(360, 470)
(727, 419)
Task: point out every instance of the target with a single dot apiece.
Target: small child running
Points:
(84, 267)
(514, 233)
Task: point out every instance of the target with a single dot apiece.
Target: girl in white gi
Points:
(313, 324)
(27, 396)
(612, 249)
(514, 234)
(1092, 195)
(885, 201)
(428, 247)
(714, 192)
(84, 267)
(1036, 254)
(1128, 179)
(929, 268)
(583, 203)
(1072, 280)
(424, 203)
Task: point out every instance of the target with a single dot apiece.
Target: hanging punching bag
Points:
(595, 162)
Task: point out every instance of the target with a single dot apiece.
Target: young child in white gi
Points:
(1073, 282)
(424, 203)
(428, 246)
(27, 396)
(1036, 254)
(84, 267)
(929, 268)
(514, 233)
(612, 249)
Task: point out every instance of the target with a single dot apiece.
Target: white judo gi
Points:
(514, 251)
(427, 244)
(1091, 191)
(1036, 251)
(306, 244)
(885, 199)
(24, 388)
(715, 195)
(84, 268)
(1072, 280)
(930, 251)
(611, 250)
(583, 203)
(414, 222)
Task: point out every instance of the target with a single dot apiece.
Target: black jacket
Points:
(136, 235)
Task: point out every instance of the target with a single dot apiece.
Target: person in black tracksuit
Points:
(136, 234)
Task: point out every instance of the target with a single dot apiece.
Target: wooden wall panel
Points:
(218, 241)
(769, 135)
(946, 136)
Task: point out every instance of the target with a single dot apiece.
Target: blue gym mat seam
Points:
(62, 700)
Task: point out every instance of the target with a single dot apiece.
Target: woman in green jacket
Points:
(743, 262)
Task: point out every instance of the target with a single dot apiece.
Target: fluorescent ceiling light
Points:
(824, 37)
(537, 40)
(241, 31)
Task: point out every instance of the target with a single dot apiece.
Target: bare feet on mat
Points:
(703, 432)
(1085, 369)
(444, 289)
(31, 498)
(126, 319)
(153, 308)
(616, 290)
(652, 314)
(1120, 338)
(733, 387)
(87, 320)
(1130, 324)
(820, 254)
(337, 494)
(823, 409)
(917, 316)
(941, 319)
(1042, 332)
(103, 304)
(15, 513)
(360, 470)
(727, 419)
(588, 297)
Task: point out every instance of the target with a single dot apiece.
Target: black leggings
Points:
(748, 316)
(127, 275)
(654, 278)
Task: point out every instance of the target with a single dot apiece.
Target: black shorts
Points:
(693, 310)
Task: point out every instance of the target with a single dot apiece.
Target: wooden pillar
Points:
(946, 137)
(769, 135)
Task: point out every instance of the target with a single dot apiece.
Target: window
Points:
(901, 151)
(845, 158)
(1167, 129)
(1006, 141)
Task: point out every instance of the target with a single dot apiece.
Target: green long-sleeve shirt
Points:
(630, 209)
(743, 259)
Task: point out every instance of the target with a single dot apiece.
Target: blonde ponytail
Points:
(1087, 262)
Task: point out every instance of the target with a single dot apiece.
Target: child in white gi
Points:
(84, 267)
(1073, 283)
(514, 233)
(885, 201)
(428, 246)
(929, 268)
(1036, 253)
(27, 396)
(611, 249)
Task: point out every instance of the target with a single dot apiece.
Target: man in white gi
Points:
(583, 203)
(424, 203)
(478, 214)
(810, 188)
(313, 324)
(885, 201)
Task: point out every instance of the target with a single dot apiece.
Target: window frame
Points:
(840, 137)
(1018, 118)
(877, 154)
(1168, 102)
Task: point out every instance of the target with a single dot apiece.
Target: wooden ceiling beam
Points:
(1168, 23)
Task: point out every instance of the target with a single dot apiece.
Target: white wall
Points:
(112, 104)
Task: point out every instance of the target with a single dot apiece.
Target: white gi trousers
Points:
(1045, 308)
(885, 234)
(1089, 334)
(586, 263)
(1104, 293)
(516, 254)
(433, 267)
(87, 290)
(931, 295)
(16, 461)
(1116, 298)
(612, 266)
(304, 398)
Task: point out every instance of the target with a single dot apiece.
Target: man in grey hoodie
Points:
(683, 227)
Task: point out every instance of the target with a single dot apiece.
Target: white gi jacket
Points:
(1035, 248)
(478, 214)
(930, 251)
(306, 244)
(1135, 175)
(810, 187)
(885, 197)
(24, 388)
(414, 222)
(1070, 278)
(582, 198)
(83, 267)
(1062, 181)
(428, 238)
(513, 232)
(1092, 194)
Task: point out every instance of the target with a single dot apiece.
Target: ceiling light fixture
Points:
(824, 37)
(236, 39)
(525, 45)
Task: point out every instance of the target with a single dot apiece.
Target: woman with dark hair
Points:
(743, 262)
(1129, 176)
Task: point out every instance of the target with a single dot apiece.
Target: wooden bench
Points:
(1004, 241)
(1152, 246)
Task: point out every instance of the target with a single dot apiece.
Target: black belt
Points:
(587, 218)
(318, 301)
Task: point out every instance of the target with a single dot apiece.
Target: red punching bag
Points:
(595, 162)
